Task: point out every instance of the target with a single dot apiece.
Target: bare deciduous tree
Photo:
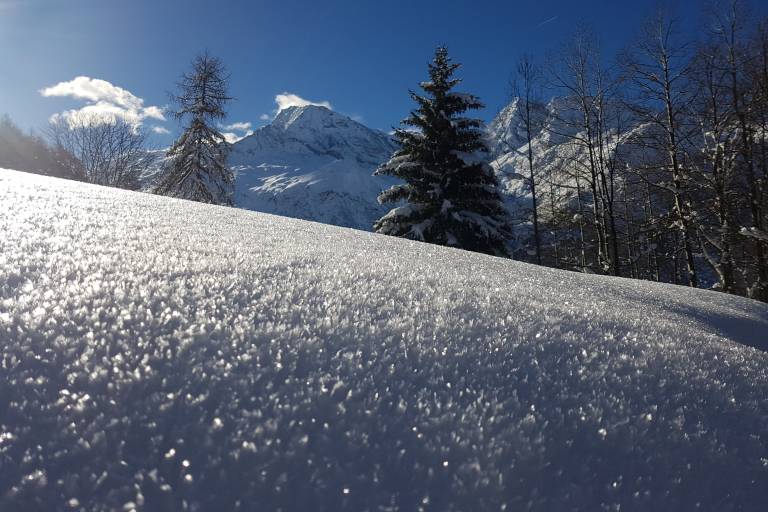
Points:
(590, 123)
(526, 89)
(662, 171)
(107, 150)
(658, 71)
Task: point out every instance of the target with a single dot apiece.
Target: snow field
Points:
(160, 354)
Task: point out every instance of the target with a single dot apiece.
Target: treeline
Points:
(655, 167)
(95, 149)
(28, 152)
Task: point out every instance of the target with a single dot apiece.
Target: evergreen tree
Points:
(452, 196)
(196, 167)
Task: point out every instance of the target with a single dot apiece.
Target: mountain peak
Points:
(306, 115)
(507, 131)
(312, 163)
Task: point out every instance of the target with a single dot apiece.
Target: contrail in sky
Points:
(550, 20)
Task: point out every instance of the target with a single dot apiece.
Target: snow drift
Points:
(166, 355)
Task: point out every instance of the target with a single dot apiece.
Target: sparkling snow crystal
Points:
(159, 354)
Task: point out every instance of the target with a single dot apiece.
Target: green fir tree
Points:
(451, 195)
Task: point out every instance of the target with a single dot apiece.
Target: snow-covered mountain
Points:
(508, 143)
(506, 132)
(312, 163)
(161, 354)
(315, 164)
(557, 157)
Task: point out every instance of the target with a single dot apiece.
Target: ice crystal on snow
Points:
(166, 355)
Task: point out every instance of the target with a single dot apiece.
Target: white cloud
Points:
(234, 137)
(265, 117)
(239, 127)
(105, 101)
(288, 99)
(161, 130)
(236, 131)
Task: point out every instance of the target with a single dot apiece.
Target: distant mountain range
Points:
(315, 164)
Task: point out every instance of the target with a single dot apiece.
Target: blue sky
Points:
(360, 56)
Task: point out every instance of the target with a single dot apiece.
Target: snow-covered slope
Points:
(312, 163)
(166, 355)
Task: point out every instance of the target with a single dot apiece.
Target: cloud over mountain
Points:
(236, 131)
(287, 99)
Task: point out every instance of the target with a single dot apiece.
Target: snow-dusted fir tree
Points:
(451, 196)
(196, 166)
